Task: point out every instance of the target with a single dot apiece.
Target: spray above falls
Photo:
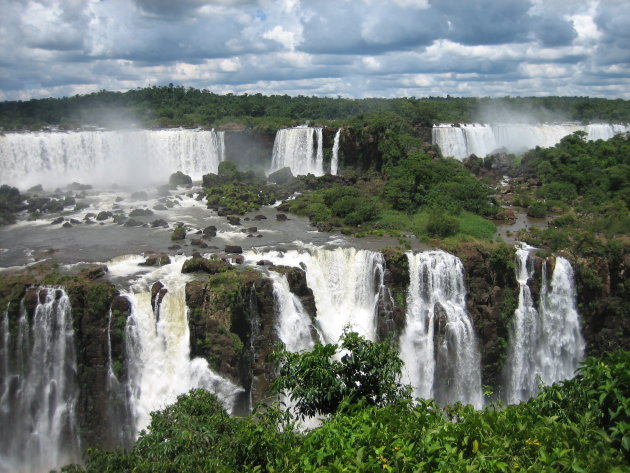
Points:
(125, 157)
(438, 344)
(546, 343)
(484, 139)
(300, 149)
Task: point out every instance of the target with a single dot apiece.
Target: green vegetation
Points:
(179, 106)
(579, 425)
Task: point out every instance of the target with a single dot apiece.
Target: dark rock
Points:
(174, 247)
(160, 207)
(210, 231)
(132, 223)
(296, 278)
(180, 179)
(281, 176)
(233, 249)
(159, 223)
(281, 217)
(89, 221)
(104, 215)
(67, 225)
(75, 186)
(156, 259)
(158, 291)
(252, 229)
(210, 266)
(141, 213)
(95, 271)
(233, 258)
(222, 213)
(234, 220)
(198, 242)
(324, 227)
(89, 215)
(74, 221)
(68, 201)
(119, 199)
(57, 221)
(264, 262)
(81, 206)
(179, 233)
(120, 219)
(259, 236)
(53, 206)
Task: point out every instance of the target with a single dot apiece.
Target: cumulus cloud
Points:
(354, 48)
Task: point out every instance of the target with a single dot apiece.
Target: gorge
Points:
(94, 339)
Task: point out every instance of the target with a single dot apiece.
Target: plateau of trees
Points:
(164, 106)
(580, 425)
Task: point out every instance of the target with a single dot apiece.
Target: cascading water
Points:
(97, 157)
(345, 284)
(546, 345)
(300, 149)
(438, 344)
(334, 161)
(483, 139)
(294, 323)
(38, 425)
(157, 347)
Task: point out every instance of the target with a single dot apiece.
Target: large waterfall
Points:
(300, 149)
(483, 139)
(438, 345)
(345, 284)
(546, 345)
(38, 387)
(334, 160)
(158, 349)
(110, 157)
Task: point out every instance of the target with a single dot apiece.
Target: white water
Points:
(294, 323)
(300, 149)
(130, 157)
(484, 139)
(438, 345)
(334, 161)
(345, 284)
(546, 345)
(38, 427)
(158, 348)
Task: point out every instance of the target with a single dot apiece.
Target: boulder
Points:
(67, 225)
(234, 220)
(156, 259)
(132, 223)
(178, 234)
(210, 266)
(160, 207)
(95, 271)
(281, 217)
(104, 215)
(180, 179)
(233, 249)
(281, 176)
(260, 217)
(57, 221)
(141, 213)
(159, 223)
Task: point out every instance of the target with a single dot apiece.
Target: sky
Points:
(349, 48)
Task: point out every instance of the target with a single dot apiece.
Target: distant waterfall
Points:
(546, 345)
(438, 345)
(334, 161)
(97, 157)
(346, 284)
(38, 389)
(484, 139)
(158, 350)
(294, 323)
(299, 148)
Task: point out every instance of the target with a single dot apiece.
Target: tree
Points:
(356, 369)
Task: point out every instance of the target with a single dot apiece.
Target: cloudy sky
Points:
(352, 48)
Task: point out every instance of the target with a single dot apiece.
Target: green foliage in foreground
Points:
(581, 425)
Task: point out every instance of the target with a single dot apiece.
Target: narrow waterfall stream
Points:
(334, 160)
(438, 345)
(39, 389)
(546, 344)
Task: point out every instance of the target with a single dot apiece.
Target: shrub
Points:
(441, 225)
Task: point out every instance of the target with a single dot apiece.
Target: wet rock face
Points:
(231, 318)
(296, 277)
(392, 303)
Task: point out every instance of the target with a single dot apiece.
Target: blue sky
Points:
(352, 48)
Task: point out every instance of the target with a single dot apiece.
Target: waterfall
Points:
(334, 161)
(297, 149)
(438, 344)
(546, 345)
(294, 323)
(107, 157)
(157, 345)
(483, 139)
(39, 394)
(346, 284)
